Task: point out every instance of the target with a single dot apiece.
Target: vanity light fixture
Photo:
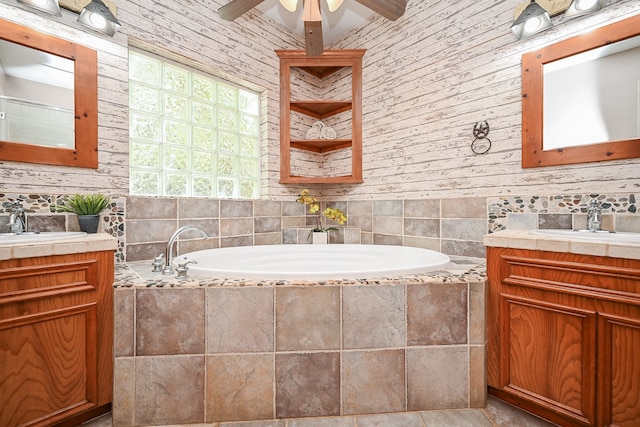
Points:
(97, 16)
(531, 21)
(49, 6)
(582, 7)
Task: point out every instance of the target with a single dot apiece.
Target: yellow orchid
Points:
(335, 214)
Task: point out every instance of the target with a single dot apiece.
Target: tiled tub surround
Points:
(203, 350)
(143, 225)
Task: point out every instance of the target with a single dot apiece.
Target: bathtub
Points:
(312, 262)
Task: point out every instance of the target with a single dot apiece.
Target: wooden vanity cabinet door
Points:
(564, 336)
(56, 335)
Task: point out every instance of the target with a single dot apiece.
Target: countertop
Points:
(88, 243)
(523, 239)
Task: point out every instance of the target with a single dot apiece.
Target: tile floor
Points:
(496, 414)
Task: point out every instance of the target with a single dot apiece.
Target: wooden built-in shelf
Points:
(321, 66)
(320, 109)
(321, 145)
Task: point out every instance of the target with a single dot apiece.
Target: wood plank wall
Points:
(428, 77)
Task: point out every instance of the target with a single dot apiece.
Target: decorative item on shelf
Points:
(481, 144)
(330, 213)
(87, 207)
(320, 131)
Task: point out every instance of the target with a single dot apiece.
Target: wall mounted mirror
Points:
(581, 98)
(48, 99)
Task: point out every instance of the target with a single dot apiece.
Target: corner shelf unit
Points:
(331, 61)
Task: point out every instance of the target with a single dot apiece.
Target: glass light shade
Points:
(582, 7)
(532, 20)
(97, 16)
(49, 6)
(333, 5)
(290, 5)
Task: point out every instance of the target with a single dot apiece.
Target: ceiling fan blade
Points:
(313, 37)
(390, 9)
(236, 8)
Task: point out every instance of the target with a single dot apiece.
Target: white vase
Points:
(320, 238)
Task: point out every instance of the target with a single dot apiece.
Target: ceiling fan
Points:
(390, 9)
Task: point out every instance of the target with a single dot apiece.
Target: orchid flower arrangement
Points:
(314, 208)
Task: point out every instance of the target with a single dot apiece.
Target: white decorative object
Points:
(320, 237)
(328, 133)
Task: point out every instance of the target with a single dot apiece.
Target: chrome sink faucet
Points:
(594, 217)
(17, 218)
(168, 257)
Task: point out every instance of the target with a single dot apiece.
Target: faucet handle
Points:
(158, 264)
(183, 269)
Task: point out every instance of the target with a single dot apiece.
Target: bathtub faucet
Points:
(168, 256)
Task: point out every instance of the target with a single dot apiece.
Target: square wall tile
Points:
(360, 208)
(308, 318)
(387, 225)
(307, 385)
(198, 208)
(477, 318)
(240, 387)
(169, 321)
(139, 207)
(236, 227)
(239, 320)
(123, 319)
(267, 224)
(422, 227)
(387, 208)
(427, 208)
(436, 314)
(464, 229)
(463, 248)
(471, 207)
(144, 231)
(378, 310)
(477, 376)
(236, 208)
(169, 390)
(551, 221)
(267, 208)
(437, 378)
(123, 404)
(373, 382)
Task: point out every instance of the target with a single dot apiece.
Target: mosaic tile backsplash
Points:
(143, 225)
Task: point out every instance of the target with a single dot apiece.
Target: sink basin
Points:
(586, 235)
(45, 236)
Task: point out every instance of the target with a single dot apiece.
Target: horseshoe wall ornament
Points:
(481, 143)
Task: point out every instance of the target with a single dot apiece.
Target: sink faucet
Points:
(168, 257)
(594, 217)
(17, 218)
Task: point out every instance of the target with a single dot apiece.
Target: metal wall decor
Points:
(481, 144)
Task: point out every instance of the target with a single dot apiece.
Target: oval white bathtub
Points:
(312, 262)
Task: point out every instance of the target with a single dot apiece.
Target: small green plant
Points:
(314, 208)
(84, 204)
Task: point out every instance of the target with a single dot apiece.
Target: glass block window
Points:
(191, 134)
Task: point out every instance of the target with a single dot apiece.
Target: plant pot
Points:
(320, 238)
(89, 223)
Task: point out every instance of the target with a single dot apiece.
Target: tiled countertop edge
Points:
(89, 243)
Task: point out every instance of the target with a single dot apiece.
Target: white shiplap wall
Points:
(428, 77)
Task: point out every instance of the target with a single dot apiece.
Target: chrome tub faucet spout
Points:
(168, 257)
(594, 217)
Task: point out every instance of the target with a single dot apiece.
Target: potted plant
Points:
(320, 233)
(87, 207)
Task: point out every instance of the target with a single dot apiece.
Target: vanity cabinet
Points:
(564, 335)
(56, 338)
(327, 160)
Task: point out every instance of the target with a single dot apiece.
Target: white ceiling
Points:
(349, 15)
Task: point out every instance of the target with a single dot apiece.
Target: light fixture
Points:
(290, 5)
(333, 5)
(49, 6)
(582, 7)
(98, 17)
(532, 20)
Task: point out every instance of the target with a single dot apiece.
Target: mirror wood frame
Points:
(85, 152)
(533, 154)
